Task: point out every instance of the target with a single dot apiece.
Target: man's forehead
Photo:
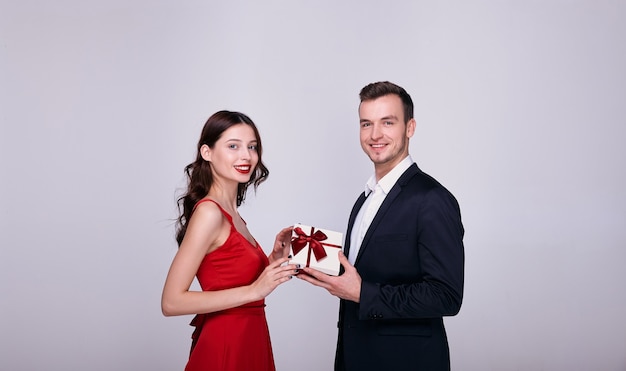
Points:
(382, 107)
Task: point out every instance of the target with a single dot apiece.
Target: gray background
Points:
(521, 114)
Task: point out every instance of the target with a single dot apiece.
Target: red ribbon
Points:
(314, 241)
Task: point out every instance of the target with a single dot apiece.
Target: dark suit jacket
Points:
(412, 264)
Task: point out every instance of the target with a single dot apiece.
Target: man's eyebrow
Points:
(390, 117)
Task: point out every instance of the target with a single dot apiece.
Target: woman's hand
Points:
(282, 244)
(272, 276)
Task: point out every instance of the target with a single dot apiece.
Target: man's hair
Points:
(380, 89)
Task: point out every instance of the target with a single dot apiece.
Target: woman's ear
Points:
(205, 152)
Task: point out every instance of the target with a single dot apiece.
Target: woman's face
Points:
(234, 156)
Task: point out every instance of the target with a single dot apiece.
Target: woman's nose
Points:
(245, 153)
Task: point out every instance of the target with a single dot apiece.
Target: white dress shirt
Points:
(376, 194)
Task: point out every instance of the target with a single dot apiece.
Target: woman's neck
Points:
(225, 196)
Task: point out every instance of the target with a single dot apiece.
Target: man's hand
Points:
(347, 286)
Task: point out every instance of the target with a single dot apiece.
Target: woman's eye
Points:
(232, 146)
(252, 147)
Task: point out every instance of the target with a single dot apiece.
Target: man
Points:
(404, 244)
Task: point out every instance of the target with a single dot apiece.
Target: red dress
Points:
(235, 339)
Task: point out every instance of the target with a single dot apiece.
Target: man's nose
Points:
(377, 132)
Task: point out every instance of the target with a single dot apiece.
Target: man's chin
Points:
(377, 158)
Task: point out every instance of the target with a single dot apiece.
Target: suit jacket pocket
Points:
(404, 328)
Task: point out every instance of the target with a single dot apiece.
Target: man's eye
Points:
(388, 123)
(365, 124)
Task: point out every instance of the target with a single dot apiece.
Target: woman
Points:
(216, 247)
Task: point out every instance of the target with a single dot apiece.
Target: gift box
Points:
(316, 248)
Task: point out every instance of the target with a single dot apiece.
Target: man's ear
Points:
(205, 152)
(410, 128)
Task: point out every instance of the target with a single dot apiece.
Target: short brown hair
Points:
(382, 88)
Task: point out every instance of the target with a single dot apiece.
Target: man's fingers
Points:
(312, 280)
(315, 274)
(344, 261)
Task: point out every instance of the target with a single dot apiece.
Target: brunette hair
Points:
(199, 174)
(382, 88)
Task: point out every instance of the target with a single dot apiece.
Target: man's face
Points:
(384, 135)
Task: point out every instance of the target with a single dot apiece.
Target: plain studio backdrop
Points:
(521, 112)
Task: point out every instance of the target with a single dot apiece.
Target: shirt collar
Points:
(390, 179)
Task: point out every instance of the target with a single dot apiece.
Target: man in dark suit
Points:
(403, 266)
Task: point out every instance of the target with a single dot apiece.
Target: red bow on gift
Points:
(302, 239)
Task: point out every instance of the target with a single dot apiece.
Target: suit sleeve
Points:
(438, 288)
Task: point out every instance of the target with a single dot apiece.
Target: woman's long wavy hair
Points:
(199, 173)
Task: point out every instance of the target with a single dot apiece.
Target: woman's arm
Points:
(205, 233)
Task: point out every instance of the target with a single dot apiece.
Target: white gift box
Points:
(316, 248)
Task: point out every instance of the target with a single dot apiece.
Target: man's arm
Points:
(439, 292)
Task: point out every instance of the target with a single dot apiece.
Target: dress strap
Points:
(227, 215)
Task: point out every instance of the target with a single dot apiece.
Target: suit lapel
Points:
(355, 210)
(384, 207)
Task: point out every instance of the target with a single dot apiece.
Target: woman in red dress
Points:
(216, 247)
